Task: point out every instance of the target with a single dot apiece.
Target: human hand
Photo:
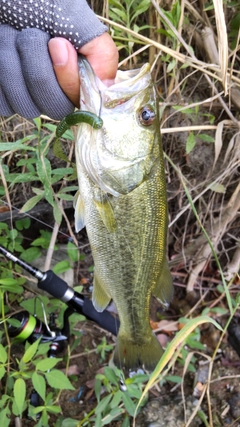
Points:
(28, 84)
(100, 52)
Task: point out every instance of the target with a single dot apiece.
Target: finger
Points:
(5, 109)
(64, 60)
(39, 74)
(102, 54)
(11, 78)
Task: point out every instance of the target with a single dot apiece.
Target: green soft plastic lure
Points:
(76, 118)
(72, 119)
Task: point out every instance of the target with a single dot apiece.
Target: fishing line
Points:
(38, 220)
(100, 107)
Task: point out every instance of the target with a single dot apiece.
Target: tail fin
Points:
(130, 355)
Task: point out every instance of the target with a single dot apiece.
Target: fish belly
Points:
(128, 261)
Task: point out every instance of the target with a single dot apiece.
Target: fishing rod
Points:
(58, 288)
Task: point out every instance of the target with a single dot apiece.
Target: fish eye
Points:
(146, 116)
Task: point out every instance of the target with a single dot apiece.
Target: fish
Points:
(122, 203)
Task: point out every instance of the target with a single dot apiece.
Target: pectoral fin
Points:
(79, 212)
(101, 298)
(106, 212)
(163, 290)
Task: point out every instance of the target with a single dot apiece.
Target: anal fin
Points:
(163, 290)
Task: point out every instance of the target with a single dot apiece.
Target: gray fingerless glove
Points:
(28, 85)
(71, 19)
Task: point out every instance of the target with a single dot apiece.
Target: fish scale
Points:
(122, 202)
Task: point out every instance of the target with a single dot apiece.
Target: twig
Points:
(18, 422)
(213, 55)
(218, 229)
(187, 60)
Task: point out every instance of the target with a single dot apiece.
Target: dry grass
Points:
(206, 79)
(203, 48)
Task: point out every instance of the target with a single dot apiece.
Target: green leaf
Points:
(30, 352)
(67, 197)
(54, 409)
(219, 310)
(15, 289)
(8, 281)
(121, 14)
(206, 138)
(43, 349)
(62, 171)
(59, 380)
(112, 416)
(38, 191)
(217, 188)
(2, 373)
(4, 420)
(22, 177)
(103, 404)
(4, 400)
(3, 226)
(50, 127)
(191, 142)
(126, 422)
(46, 364)
(141, 8)
(128, 403)
(19, 392)
(38, 123)
(57, 213)
(39, 385)
(42, 242)
(69, 422)
(68, 189)
(61, 267)
(110, 375)
(3, 354)
(174, 379)
(73, 252)
(116, 399)
(98, 420)
(44, 170)
(97, 388)
(30, 254)
(18, 145)
(31, 203)
(44, 418)
(171, 66)
(23, 223)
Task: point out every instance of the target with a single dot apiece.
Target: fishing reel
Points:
(27, 327)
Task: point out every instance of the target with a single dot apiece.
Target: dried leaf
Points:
(167, 326)
(222, 41)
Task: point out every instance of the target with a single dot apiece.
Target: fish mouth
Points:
(95, 95)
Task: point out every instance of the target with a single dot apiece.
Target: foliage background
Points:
(194, 51)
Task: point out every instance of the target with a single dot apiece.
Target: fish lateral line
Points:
(78, 117)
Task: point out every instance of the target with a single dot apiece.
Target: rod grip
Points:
(53, 284)
(103, 319)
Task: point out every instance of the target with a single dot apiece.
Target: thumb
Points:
(102, 54)
(64, 59)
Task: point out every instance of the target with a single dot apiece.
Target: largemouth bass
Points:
(122, 202)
